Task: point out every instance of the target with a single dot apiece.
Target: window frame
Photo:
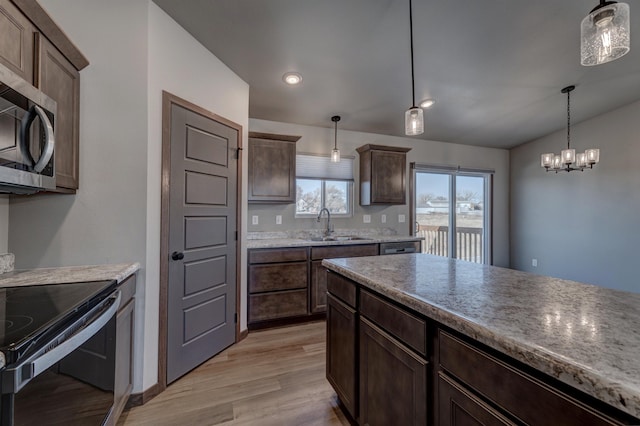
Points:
(323, 183)
(453, 172)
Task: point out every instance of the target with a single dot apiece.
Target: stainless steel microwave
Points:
(27, 138)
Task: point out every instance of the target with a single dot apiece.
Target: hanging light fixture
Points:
(568, 160)
(335, 152)
(605, 33)
(413, 117)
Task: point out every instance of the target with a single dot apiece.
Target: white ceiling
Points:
(495, 67)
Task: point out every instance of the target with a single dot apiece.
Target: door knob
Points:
(177, 255)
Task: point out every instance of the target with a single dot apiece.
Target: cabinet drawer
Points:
(281, 304)
(458, 406)
(409, 329)
(342, 288)
(278, 255)
(526, 397)
(329, 252)
(277, 276)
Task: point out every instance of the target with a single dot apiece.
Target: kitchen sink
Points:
(338, 238)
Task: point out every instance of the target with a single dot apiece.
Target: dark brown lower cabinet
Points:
(459, 407)
(342, 324)
(124, 356)
(318, 287)
(393, 380)
(411, 370)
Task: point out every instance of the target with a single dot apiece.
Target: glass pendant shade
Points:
(568, 156)
(605, 34)
(335, 156)
(557, 162)
(581, 160)
(546, 160)
(413, 121)
(593, 156)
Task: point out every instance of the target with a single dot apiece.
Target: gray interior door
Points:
(202, 240)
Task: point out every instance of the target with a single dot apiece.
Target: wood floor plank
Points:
(273, 377)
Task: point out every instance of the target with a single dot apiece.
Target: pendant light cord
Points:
(335, 137)
(413, 89)
(569, 119)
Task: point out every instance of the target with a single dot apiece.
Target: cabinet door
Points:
(318, 287)
(393, 380)
(458, 407)
(341, 352)
(124, 357)
(272, 171)
(58, 78)
(16, 41)
(388, 177)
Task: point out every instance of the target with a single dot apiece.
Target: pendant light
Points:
(568, 160)
(605, 33)
(413, 117)
(335, 152)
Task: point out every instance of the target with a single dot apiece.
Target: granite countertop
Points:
(306, 242)
(68, 274)
(583, 335)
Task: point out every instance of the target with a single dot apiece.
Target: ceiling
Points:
(494, 67)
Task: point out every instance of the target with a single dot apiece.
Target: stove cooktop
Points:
(31, 313)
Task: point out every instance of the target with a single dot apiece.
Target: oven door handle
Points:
(16, 377)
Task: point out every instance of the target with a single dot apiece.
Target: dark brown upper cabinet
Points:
(272, 168)
(16, 41)
(382, 174)
(34, 47)
(59, 79)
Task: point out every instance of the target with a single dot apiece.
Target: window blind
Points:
(449, 168)
(320, 167)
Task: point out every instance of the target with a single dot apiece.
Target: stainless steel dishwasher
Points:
(400, 247)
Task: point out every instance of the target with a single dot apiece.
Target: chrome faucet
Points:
(328, 231)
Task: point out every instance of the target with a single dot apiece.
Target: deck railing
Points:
(469, 245)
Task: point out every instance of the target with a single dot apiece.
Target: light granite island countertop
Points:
(68, 274)
(583, 335)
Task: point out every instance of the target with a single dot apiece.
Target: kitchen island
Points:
(478, 343)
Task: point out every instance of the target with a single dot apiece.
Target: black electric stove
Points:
(30, 315)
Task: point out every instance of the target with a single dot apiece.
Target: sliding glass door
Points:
(451, 210)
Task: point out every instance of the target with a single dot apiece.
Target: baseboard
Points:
(286, 321)
(243, 335)
(137, 399)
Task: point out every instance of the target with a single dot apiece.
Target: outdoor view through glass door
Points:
(455, 200)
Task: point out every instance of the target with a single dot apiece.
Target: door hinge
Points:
(235, 318)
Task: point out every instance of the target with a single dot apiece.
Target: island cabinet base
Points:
(391, 365)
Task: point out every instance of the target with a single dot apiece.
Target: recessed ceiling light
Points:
(292, 78)
(427, 103)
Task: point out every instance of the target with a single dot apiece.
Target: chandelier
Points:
(568, 160)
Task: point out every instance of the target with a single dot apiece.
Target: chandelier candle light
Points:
(413, 117)
(568, 160)
(335, 152)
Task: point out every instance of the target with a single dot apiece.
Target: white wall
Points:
(320, 140)
(105, 222)
(183, 67)
(580, 225)
(135, 51)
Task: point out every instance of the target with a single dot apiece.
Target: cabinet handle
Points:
(177, 255)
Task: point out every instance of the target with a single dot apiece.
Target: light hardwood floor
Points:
(273, 377)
